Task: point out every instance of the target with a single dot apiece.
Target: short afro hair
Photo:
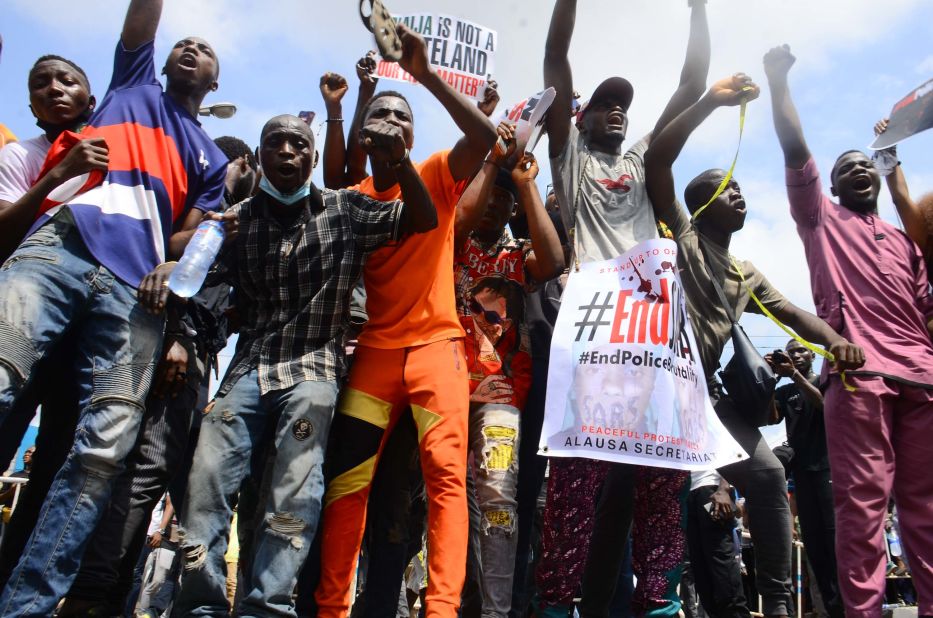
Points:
(235, 148)
(53, 57)
(387, 93)
(832, 174)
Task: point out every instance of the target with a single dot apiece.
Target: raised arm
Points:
(478, 132)
(475, 199)
(778, 62)
(547, 259)
(914, 222)
(333, 87)
(141, 23)
(695, 71)
(557, 73)
(356, 156)
(17, 217)
(385, 143)
(667, 143)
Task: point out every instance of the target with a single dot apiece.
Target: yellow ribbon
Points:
(725, 181)
(810, 346)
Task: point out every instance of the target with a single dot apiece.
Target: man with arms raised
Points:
(79, 268)
(604, 206)
(869, 283)
(410, 353)
(704, 259)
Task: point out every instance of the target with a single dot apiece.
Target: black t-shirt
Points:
(806, 432)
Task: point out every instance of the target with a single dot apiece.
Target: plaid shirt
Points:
(293, 282)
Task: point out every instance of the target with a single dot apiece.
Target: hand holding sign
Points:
(414, 53)
(911, 115)
(366, 69)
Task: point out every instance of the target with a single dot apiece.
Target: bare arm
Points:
(475, 199)
(695, 70)
(356, 156)
(141, 23)
(812, 328)
(478, 132)
(668, 142)
(17, 217)
(778, 62)
(557, 73)
(333, 87)
(907, 209)
(547, 259)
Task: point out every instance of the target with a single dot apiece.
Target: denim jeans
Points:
(106, 574)
(229, 433)
(50, 283)
(494, 444)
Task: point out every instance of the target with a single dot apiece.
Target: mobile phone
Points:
(779, 356)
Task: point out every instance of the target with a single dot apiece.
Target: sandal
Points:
(380, 23)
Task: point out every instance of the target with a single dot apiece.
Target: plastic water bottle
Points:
(894, 542)
(202, 249)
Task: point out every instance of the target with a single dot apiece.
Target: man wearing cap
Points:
(604, 204)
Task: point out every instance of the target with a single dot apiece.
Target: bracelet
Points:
(334, 120)
(401, 161)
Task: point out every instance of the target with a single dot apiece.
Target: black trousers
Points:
(55, 388)
(160, 454)
(814, 493)
(716, 574)
(612, 526)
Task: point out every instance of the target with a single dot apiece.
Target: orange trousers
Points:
(432, 380)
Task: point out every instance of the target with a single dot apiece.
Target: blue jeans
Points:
(229, 433)
(50, 284)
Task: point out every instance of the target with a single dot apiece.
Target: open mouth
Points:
(615, 120)
(188, 61)
(861, 182)
(286, 170)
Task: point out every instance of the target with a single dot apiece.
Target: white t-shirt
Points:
(704, 478)
(608, 206)
(20, 163)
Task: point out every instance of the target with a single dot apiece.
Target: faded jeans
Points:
(229, 433)
(494, 444)
(52, 283)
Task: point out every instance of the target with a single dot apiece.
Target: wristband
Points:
(401, 161)
(334, 120)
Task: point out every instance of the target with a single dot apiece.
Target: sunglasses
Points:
(490, 316)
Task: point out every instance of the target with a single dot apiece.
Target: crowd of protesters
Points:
(372, 445)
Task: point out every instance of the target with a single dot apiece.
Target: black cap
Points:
(616, 89)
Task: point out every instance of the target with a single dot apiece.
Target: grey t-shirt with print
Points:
(608, 206)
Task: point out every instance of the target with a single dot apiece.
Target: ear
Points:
(33, 112)
(92, 103)
(164, 67)
(833, 191)
(214, 86)
(314, 164)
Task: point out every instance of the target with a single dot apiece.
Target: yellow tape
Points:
(810, 346)
(725, 181)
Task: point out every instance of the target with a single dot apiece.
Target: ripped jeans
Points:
(494, 446)
(229, 432)
(52, 283)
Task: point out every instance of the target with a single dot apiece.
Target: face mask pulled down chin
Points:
(52, 131)
(286, 198)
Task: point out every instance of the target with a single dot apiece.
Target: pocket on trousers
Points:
(30, 255)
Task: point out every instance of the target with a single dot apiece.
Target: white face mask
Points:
(286, 198)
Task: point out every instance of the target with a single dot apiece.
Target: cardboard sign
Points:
(461, 51)
(911, 115)
(528, 116)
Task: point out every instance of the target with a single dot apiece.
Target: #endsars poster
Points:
(625, 381)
